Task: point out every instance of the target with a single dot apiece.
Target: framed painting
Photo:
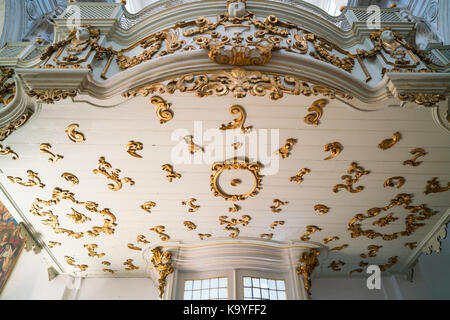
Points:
(10, 244)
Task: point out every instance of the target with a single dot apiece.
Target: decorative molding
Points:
(419, 152)
(349, 180)
(103, 167)
(133, 247)
(277, 204)
(389, 143)
(299, 176)
(44, 149)
(285, 151)
(390, 182)
(334, 147)
(238, 122)
(433, 186)
(91, 248)
(434, 243)
(308, 262)
(170, 173)
(70, 177)
(30, 242)
(322, 209)
(71, 262)
(162, 109)
(193, 148)
(190, 203)
(147, 206)
(33, 180)
(160, 231)
(162, 262)
(133, 147)
(7, 151)
(74, 135)
(316, 110)
(373, 250)
(10, 127)
(130, 265)
(190, 225)
(309, 231)
(232, 223)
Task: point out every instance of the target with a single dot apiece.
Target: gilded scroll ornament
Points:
(277, 204)
(232, 223)
(373, 250)
(162, 262)
(419, 152)
(335, 265)
(130, 265)
(44, 149)
(418, 213)
(10, 127)
(190, 225)
(170, 173)
(339, 248)
(238, 122)
(422, 99)
(52, 244)
(71, 261)
(433, 186)
(190, 203)
(391, 262)
(141, 238)
(162, 109)
(349, 180)
(147, 206)
(133, 147)
(51, 96)
(308, 262)
(70, 177)
(411, 245)
(316, 110)
(299, 176)
(108, 270)
(234, 208)
(389, 143)
(7, 87)
(78, 217)
(133, 247)
(219, 167)
(6, 151)
(309, 231)
(193, 148)
(334, 147)
(333, 238)
(382, 222)
(160, 231)
(202, 236)
(73, 134)
(267, 236)
(103, 167)
(393, 181)
(91, 248)
(33, 180)
(285, 151)
(323, 209)
(276, 223)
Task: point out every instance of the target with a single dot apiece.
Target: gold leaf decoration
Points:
(70, 178)
(7, 87)
(91, 248)
(190, 225)
(204, 235)
(51, 96)
(147, 206)
(392, 181)
(419, 152)
(308, 262)
(373, 250)
(285, 151)
(103, 168)
(71, 261)
(234, 209)
(333, 238)
(277, 203)
(160, 231)
(316, 110)
(339, 248)
(422, 99)
(239, 121)
(334, 147)
(170, 173)
(276, 223)
(74, 135)
(382, 222)
(162, 262)
(52, 244)
(433, 186)
(323, 209)
(130, 265)
(389, 143)
(192, 147)
(108, 270)
(78, 217)
(141, 238)
(133, 247)
(6, 151)
(268, 236)
(10, 127)
(309, 231)
(349, 180)
(33, 180)
(44, 149)
(334, 265)
(190, 203)
(232, 223)
(133, 147)
(162, 109)
(299, 177)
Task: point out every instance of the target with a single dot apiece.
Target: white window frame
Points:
(263, 274)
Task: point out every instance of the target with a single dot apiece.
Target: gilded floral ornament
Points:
(389, 143)
(91, 248)
(78, 217)
(334, 147)
(7, 151)
(349, 180)
(277, 204)
(232, 223)
(103, 167)
(433, 186)
(393, 181)
(130, 265)
(162, 109)
(202, 236)
(7, 87)
(33, 180)
(133, 147)
(133, 247)
(335, 265)
(141, 238)
(190, 225)
(190, 203)
(235, 208)
(276, 223)
(74, 135)
(147, 206)
(309, 231)
(160, 231)
(419, 152)
(71, 261)
(422, 99)
(323, 209)
(70, 177)
(51, 95)
(299, 176)
(285, 151)
(333, 238)
(373, 250)
(382, 222)
(193, 148)
(219, 167)
(308, 262)
(53, 158)
(238, 122)
(316, 110)
(162, 262)
(10, 127)
(170, 173)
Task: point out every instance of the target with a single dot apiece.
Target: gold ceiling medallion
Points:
(339, 248)
(6, 151)
(162, 109)
(147, 206)
(390, 182)
(74, 135)
(51, 96)
(7, 88)
(418, 213)
(411, 245)
(202, 236)
(391, 262)
(10, 127)
(433, 186)
(333, 238)
(422, 99)
(235, 208)
(159, 230)
(349, 181)
(267, 236)
(231, 225)
(316, 110)
(33, 180)
(141, 238)
(373, 250)
(133, 147)
(162, 262)
(53, 158)
(284, 152)
(419, 152)
(109, 270)
(190, 225)
(78, 217)
(130, 265)
(382, 222)
(323, 209)
(190, 203)
(71, 261)
(91, 248)
(219, 167)
(389, 143)
(238, 122)
(309, 231)
(170, 173)
(103, 166)
(58, 195)
(334, 147)
(239, 82)
(193, 148)
(52, 244)
(299, 177)
(133, 247)
(276, 223)
(277, 204)
(334, 265)
(70, 178)
(106, 263)
(308, 262)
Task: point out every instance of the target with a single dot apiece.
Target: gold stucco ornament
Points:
(162, 262)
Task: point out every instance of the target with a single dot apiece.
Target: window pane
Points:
(197, 284)
(196, 295)
(214, 283)
(205, 294)
(247, 292)
(273, 295)
(271, 284)
(247, 282)
(281, 295)
(256, 293)
(188, 285)
(187, 295)
(280, 285)
(255, 282)
(214, 294)
(223, 282)
(265, 293)
(223, 293)
(263, 283)
(205, 284)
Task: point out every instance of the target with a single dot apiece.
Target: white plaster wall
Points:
(344, 289)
